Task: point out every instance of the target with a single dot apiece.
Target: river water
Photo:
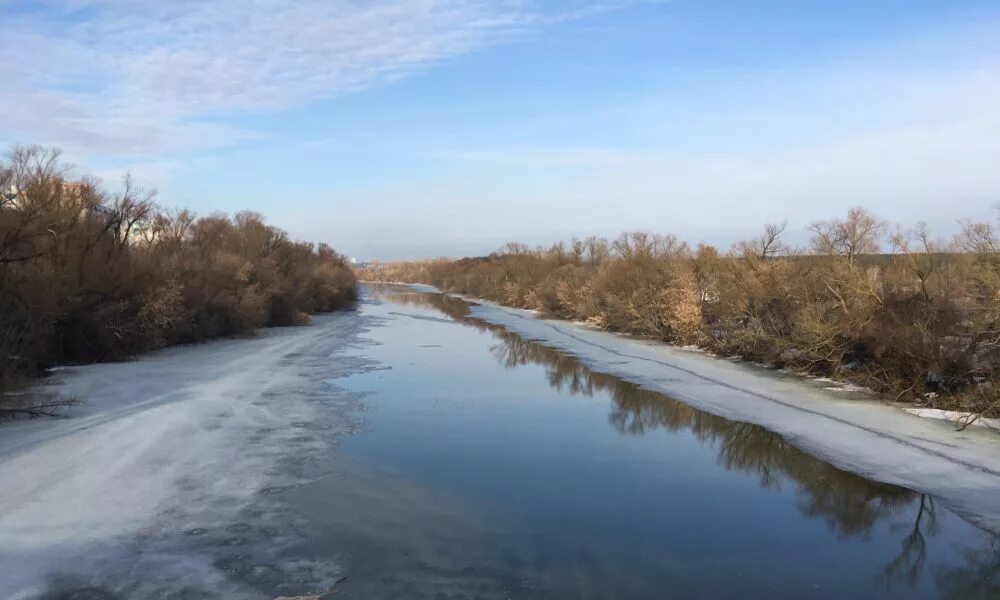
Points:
(490, 466)
(409, 450)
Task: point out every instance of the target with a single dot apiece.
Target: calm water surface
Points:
(490, 466)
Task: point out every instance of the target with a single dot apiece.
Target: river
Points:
(410, 450)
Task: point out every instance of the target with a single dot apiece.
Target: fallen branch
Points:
(34, 405)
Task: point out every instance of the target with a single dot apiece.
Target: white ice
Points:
(180, 440)
(960, 419)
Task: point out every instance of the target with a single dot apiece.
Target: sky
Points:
(419, 128)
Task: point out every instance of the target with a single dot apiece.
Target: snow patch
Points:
(692, 348)
(142, 488)
(849, 387)
(954, 416)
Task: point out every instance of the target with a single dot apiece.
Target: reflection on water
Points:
(851, 506)
(978, 576)
(848, 503)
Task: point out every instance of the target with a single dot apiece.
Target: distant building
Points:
(70, 194)
(8, 198)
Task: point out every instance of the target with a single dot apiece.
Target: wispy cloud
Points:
(873, 128)
(146, 76)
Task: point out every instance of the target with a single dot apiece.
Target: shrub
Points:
(90, 276)
(921, 322)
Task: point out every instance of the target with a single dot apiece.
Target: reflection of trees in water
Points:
(452, 307)
(850, 505)
(913, 547)
(977, 578)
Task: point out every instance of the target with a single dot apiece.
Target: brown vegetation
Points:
(87, 276)
(921, 323)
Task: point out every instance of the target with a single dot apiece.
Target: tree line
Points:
(899, 311)
(87, 275)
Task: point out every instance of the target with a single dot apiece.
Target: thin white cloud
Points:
(148, 76)
(907, 141)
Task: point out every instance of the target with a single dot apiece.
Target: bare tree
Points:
(642, 245)
(922, 256)
(848, 238)
(767, 245)
(33, 165)
(597, 250)
(979, 238)
(130, 212)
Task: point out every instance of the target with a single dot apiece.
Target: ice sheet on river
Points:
(859, 435)
(167, 481)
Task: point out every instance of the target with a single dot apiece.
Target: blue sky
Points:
(418, 128)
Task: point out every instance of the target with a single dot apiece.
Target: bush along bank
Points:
(897, 311)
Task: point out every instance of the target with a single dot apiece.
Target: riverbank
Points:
(91, 276)
(916, 324)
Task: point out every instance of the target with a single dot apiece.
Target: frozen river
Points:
(417, 449)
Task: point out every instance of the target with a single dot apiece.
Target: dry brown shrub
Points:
(924, 319)
(87, 275)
